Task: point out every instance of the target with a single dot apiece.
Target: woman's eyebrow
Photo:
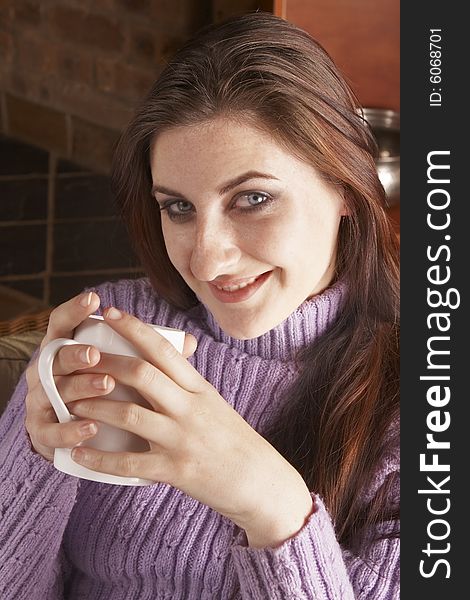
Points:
(226, 187)
(164, 190)
(233, 183)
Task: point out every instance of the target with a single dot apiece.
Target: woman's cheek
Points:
(178, 248)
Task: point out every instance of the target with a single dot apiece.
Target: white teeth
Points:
(234, 288)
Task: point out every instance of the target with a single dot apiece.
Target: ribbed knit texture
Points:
(61, 537)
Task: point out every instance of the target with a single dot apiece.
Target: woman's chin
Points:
(247, 331)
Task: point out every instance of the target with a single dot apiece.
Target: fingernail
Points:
(85, 300)
(101, 383)
(88, 429)
(79, 455)
(85, 355)
(113, 313)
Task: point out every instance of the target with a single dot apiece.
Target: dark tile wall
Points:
(59, 231)
(23, 249)
(23, 200)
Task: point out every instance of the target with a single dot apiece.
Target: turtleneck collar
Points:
(309, 321)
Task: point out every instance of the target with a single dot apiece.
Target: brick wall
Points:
(71, 74)
(72, 71)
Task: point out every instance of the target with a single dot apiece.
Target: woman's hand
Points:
(75, 379)
(41, 422)
(198, 442)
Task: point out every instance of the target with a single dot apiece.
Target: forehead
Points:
(218, 145)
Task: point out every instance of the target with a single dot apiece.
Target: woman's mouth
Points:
(235, 287)
(238, 291)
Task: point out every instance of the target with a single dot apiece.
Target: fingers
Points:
(155, 349)
(68, 360)
(46, 434)
(75, 387)
(153, 466)
(162, 393)
(37, 403)
(63, 435)
(41, 423)
(70, 388)
(73, 358)
(62, 321)
(148, 424)
(190, 345)
(65, 317)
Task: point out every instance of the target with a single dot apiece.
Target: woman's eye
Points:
(178, 208)
(252, 199)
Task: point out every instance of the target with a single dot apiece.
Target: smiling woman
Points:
(248, 184)
(250, 264)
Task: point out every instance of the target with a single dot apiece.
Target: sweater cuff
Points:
(307, 565)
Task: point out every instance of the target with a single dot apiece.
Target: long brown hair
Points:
(274, 76)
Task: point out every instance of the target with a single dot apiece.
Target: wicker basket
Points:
(31, 322)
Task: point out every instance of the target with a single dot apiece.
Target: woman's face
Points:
(251, 229)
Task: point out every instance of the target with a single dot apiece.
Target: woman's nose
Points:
(215, 252)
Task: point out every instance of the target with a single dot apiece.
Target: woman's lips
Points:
(241, 293)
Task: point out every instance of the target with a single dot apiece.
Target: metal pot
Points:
(385, 125)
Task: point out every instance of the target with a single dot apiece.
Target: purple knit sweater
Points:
(61, 537)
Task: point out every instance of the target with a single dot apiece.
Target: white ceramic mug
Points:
(95, 332)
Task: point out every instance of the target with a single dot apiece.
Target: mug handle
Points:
(45, 362)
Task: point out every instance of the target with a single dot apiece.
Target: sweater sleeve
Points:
(312, 565)
(35, 499)
(35, 504)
